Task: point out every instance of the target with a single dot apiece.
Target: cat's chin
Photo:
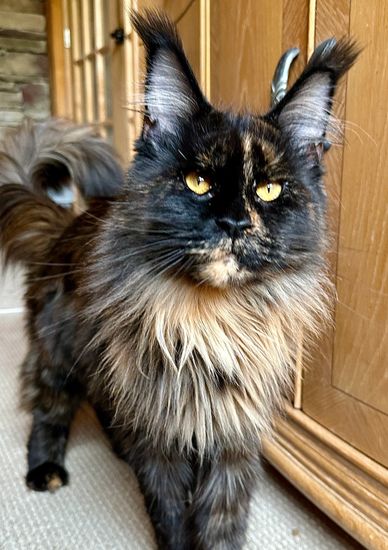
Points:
(223, 272)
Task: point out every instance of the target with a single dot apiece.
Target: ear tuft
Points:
(172, 93)
(304, 112)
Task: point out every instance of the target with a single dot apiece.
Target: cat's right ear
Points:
(304, 112)
(172, 94)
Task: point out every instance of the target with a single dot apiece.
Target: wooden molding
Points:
(345, 484)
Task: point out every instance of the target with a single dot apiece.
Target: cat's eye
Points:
(268, 191)
(200, 185)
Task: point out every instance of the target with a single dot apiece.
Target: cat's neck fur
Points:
(194, 363)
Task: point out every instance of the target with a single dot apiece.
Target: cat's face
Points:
(222, 198)
(233, 200)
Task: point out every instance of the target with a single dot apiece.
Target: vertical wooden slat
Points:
(99, 61)
(68, 89)
(132, 53)
(121, 61)
(205, 46)
(76, 63)
(311, 31)
(87, 44)
(55, 23)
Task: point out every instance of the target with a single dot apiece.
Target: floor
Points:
(102, 507)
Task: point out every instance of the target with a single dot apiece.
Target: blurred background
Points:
(80, 59)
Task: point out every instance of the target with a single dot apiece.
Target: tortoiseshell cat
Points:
(175, 307)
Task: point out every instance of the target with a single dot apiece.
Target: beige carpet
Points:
(102, 507)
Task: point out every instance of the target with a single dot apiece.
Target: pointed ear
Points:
(304, 112)
(172, 93)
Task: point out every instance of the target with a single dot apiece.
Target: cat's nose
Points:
(234, 227)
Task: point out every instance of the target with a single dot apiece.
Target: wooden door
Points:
(346, 387)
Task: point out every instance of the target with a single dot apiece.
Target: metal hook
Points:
(280, 77)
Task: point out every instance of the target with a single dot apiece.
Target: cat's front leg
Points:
(219, 512)
(53, 396)
(165, 481)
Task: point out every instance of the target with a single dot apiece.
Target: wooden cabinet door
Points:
(346, 387)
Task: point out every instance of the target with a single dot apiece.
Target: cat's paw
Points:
(47, 477)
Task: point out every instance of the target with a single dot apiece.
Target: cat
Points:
(176, 302)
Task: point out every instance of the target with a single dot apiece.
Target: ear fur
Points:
(304, 112)
(172, 93)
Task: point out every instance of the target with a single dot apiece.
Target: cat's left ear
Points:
(172, 93)
(304, 112)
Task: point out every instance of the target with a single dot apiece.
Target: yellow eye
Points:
(268, 191)
(200, 185)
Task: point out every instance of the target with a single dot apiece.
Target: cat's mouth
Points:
(228, 262)
(222, 268)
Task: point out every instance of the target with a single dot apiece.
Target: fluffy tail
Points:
(38, 157)
(52, 154)
(29, 224)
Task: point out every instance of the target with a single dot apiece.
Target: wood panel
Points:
(120, 69)
(246, 43)
(295, 33)
(60, 100)
(101, 74)
(77, 68)
(336, 392)
(86, 22)
(343, 483)
(361, 340)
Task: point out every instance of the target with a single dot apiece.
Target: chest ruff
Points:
(187, 364)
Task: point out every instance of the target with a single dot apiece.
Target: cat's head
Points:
(227, 198)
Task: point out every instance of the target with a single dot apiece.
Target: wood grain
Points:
(77, 68)
(295, 33)
(60, 100)
(345, 388)
(121, 78)
(246, 43)
(89, 85)
(101, 75)
(188, 27)
(361, 340)
(340, 481)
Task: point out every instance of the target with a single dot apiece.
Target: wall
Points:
(24, 72)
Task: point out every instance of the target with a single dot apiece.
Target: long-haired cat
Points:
(175, 306)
